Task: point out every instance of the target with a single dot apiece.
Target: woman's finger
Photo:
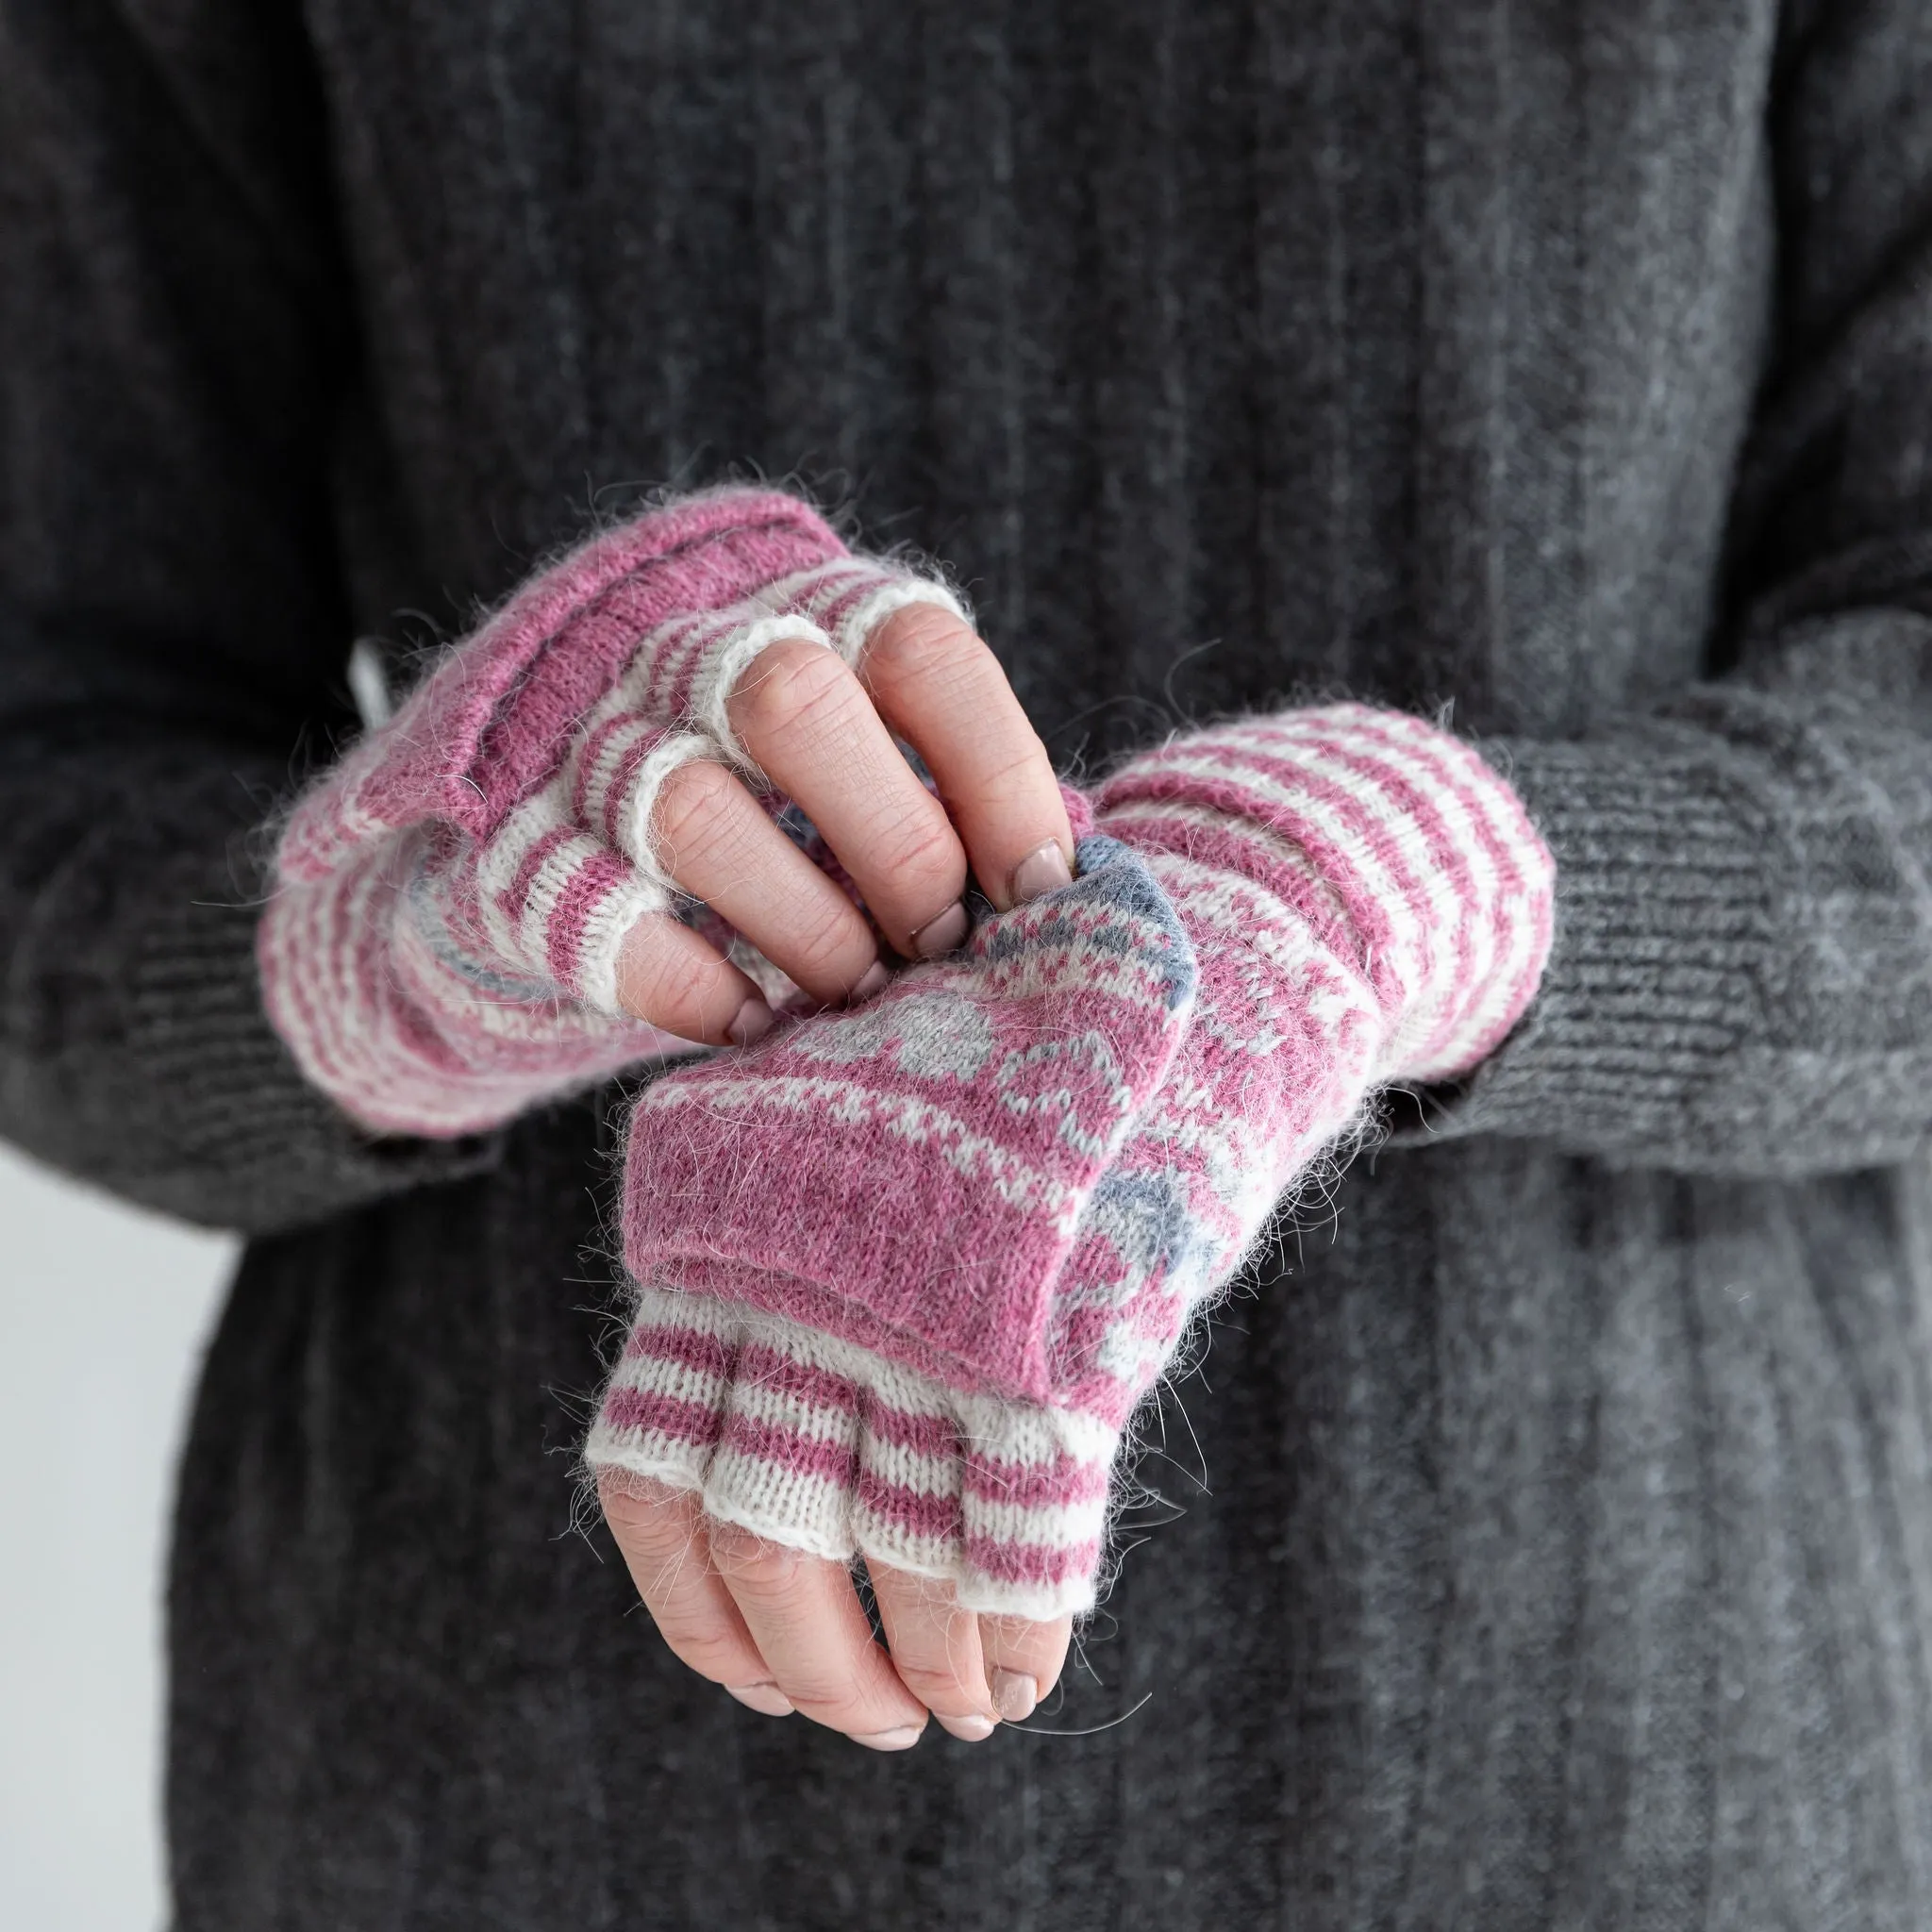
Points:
(936, 1651)
(662, 1535)
(805, 1617)
(807, 722)
(1023, 1661)
(671, 978)
(942, 690)
(715, 839)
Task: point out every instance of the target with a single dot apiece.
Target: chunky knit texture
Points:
(453, 896)
(937, 1251)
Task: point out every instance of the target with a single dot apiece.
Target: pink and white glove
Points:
(907, 1272)
(441, 949)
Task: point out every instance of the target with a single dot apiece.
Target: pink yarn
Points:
(441, 948)
(907, 1175)
(494, 717)
(907, 1272)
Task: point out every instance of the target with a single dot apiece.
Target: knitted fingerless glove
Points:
(906, 1272)
(441, 949)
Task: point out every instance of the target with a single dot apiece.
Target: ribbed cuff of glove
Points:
(452, 898)
(1396, 846)
(1017, 1174)
(1654, 974)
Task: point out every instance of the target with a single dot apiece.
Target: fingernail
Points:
(940, 935)
(767, 1699)
(1041, 873)
(869, 982)
(753, 1021)
(1015, 1694)
(970, 1729)
(900, 1737)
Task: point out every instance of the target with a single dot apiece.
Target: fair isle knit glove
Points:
(440, 949)
(907, 1273)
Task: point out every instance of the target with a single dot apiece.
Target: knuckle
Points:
(1017, 770)
(791, 686)
(639, 1512)
(699, 1642)
(937, 1686)
(921, 854)
(833, 947)
(749, 1561)
(666, 982)
(691, 805)
(924, 644)
(830, 1687)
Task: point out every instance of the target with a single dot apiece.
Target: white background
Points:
(103, 1316)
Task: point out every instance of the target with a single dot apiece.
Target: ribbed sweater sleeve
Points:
(1742, 978)
(170, 360)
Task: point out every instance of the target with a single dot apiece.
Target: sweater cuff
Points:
(1664, 922)
(248, 1143)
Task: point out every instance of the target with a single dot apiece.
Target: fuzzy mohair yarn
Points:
(906, 1272)
(441, 949)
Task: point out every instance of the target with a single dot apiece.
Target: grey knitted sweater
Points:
(1548, 1540)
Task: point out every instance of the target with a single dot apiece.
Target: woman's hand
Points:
(824, 734)
(480, 905)
(783, 1631)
